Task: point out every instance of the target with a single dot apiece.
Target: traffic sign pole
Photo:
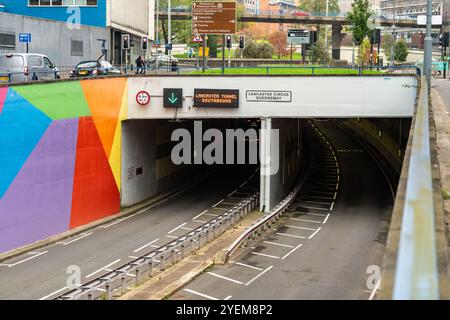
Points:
(223, 54)
(204, 53)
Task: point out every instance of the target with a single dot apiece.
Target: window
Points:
(77, 48)
(66, 3)
(47, 62)
(7, 41)
(35, 61)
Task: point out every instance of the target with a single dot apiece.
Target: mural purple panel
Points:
(38, 202)
(2, 97)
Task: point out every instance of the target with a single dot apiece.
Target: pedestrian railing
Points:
(145, 267)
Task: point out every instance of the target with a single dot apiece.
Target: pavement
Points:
(329, 245)
(440, 95)
(41, 274)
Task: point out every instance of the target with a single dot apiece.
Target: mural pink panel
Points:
(38, 202)
(3, 92)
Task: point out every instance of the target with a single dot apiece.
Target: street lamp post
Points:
(169, 22)
(326, 26)
(427, 59)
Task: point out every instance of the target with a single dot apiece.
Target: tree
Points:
(278, 39)
(358, 18)
(400, 51)
(318, 53)
(318, 7)
(256, 50)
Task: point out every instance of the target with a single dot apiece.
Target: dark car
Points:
(94, 68)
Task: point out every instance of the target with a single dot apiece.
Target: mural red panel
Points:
(95, 193)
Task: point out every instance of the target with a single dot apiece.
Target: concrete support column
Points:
(336, 37)
(265, 150)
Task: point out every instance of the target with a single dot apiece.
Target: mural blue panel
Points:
(22, 126)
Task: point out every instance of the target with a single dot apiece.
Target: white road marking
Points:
(332, 206)
(101, 269)
(171, 237)
(291, 252)
(175, 229)
(317, 202)
(232, 193)
(315, 208)
(145, 245)
(36, 254)
(186, 228)
(4, 265)
(117, 221)
(211, 214)
(374, 291)
(217, 208)
(200, 294)
(218, 203)
(315, 232)
(337, 186)
(154, 246)
(290, 235)
(326, 219)
(198, 216)
(76, 239)
(309, 214)
(335, 196)
(278, 244)
(53, 293)
(302, 228)
(132, 257)
(265, 255)
(259, 275)
(248, 266)
(304, 220)
(199, 221)
(224, 278)
(228, 298)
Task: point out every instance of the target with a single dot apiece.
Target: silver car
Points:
(21, 67)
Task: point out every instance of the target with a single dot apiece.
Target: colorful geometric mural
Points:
(59, 157)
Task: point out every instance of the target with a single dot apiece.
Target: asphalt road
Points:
(322, 249)
(443, 87)
(42, 274)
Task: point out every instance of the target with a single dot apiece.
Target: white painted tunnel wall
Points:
(312, 97)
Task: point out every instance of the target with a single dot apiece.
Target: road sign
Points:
(216, 98)
(197, 38)
(143, 98)
(268, 96)
(25, 37)
(298, 36)
(173, 98)
(214, 17)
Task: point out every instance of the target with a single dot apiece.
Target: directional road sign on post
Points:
(214, 17)
(298, 36)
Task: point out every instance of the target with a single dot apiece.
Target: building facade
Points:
(407, 9)
(78, 26)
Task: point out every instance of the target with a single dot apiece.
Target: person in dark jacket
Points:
(140, 65)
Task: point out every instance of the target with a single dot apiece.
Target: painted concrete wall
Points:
(60, 147)
(313, 97)
(91, 16)
(53, 38)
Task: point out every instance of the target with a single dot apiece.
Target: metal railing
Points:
(266, 222)
(416, 273)
(135, 272)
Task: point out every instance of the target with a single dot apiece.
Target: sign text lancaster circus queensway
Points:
(268, 96)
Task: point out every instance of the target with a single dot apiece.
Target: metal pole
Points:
(169, 22)
(428, 52)
(326, 26)
(204, 53)
(291, 55)
(353, 54)
(393, 38)
(157, 35)
(223, 54)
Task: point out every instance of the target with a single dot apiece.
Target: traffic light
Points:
(229, 43)
(241, 42)
(144, 43)
(375, 36)
(444, 39)
(126, 42)
(313, 37)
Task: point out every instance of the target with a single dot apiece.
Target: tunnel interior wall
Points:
(388, 136)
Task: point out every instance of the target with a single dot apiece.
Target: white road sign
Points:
(268, 96)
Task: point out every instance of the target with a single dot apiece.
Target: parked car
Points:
(181, 8)
(300, 13)
(94, 68)
(162, 60)
(21, 67)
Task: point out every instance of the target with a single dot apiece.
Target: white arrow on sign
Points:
(232, 21)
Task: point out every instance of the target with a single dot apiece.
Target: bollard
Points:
(108, 290)
(138, 275)
(162, 266)
(90, 296)
(150, 268)
(123, 283)
(172, 256)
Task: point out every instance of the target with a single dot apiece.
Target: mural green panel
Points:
(61, 100)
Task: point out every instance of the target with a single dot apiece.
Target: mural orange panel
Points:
(104, 102)
(95, 193)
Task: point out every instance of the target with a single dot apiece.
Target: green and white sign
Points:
(173, 98)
